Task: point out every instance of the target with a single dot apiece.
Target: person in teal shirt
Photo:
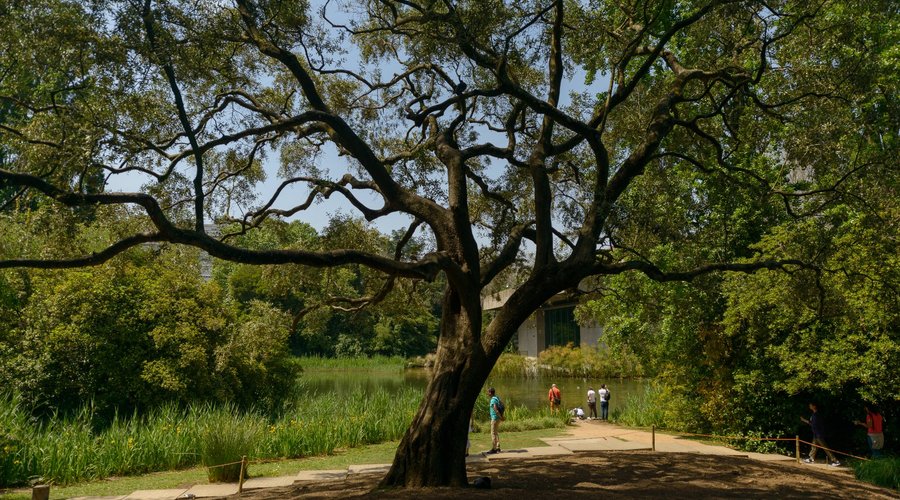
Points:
(496, 417)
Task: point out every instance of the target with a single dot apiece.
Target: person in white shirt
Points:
(592, 403)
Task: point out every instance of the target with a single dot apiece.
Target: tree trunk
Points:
(432, 453)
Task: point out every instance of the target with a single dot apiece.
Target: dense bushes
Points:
(589, 362)
(146, 329)
(139, 332)
(331, 314)
(746, 353)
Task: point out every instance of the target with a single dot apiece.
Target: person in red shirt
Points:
(874, 425)
(555, 398)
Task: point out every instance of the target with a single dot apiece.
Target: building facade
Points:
(552, 324)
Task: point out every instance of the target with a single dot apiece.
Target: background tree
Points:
(701, 125)
(331, 313)
(137, 332)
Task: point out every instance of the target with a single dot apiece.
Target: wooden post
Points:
(241, 479)
(797, 447)
(653, 438)
(40, 492)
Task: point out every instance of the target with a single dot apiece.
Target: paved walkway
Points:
(585, 435)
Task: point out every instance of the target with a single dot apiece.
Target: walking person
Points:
(604, 402)
(555, 398)
(469, 435)
(874, 425)
(496, 409)
(592, 403)
(818, 429)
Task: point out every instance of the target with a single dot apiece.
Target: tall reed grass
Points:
(882, 471)
(67, 450)
(225, 438)
(518, 417)
(642, 409)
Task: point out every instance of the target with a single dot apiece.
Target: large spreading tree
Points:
(566, 134)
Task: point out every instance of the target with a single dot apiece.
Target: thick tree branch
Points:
(655, 273)
(94, 259)
(425, 268)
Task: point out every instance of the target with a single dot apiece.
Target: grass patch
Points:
(882, 472)
(341, 459)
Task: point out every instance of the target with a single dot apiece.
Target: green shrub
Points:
(512, 365)
(132, 335)
(15, 433)
(589, 362)
(754, 443)
(569, 361)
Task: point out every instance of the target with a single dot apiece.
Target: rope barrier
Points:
(834, 451)
(714, 436)
(223, 465)
(622, 434)
(653, 430)
(256, 461)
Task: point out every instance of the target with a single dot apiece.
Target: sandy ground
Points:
(623, 474)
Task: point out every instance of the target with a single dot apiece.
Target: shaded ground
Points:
(622, 474)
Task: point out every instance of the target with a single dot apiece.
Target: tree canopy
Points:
(674, 138)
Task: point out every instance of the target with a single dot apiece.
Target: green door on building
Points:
(560, 327)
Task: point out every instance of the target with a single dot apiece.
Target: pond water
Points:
(533, 392)
(514, 391)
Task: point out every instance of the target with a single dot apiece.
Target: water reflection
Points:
(514, 391)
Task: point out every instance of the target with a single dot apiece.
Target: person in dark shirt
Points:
(818, 429)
